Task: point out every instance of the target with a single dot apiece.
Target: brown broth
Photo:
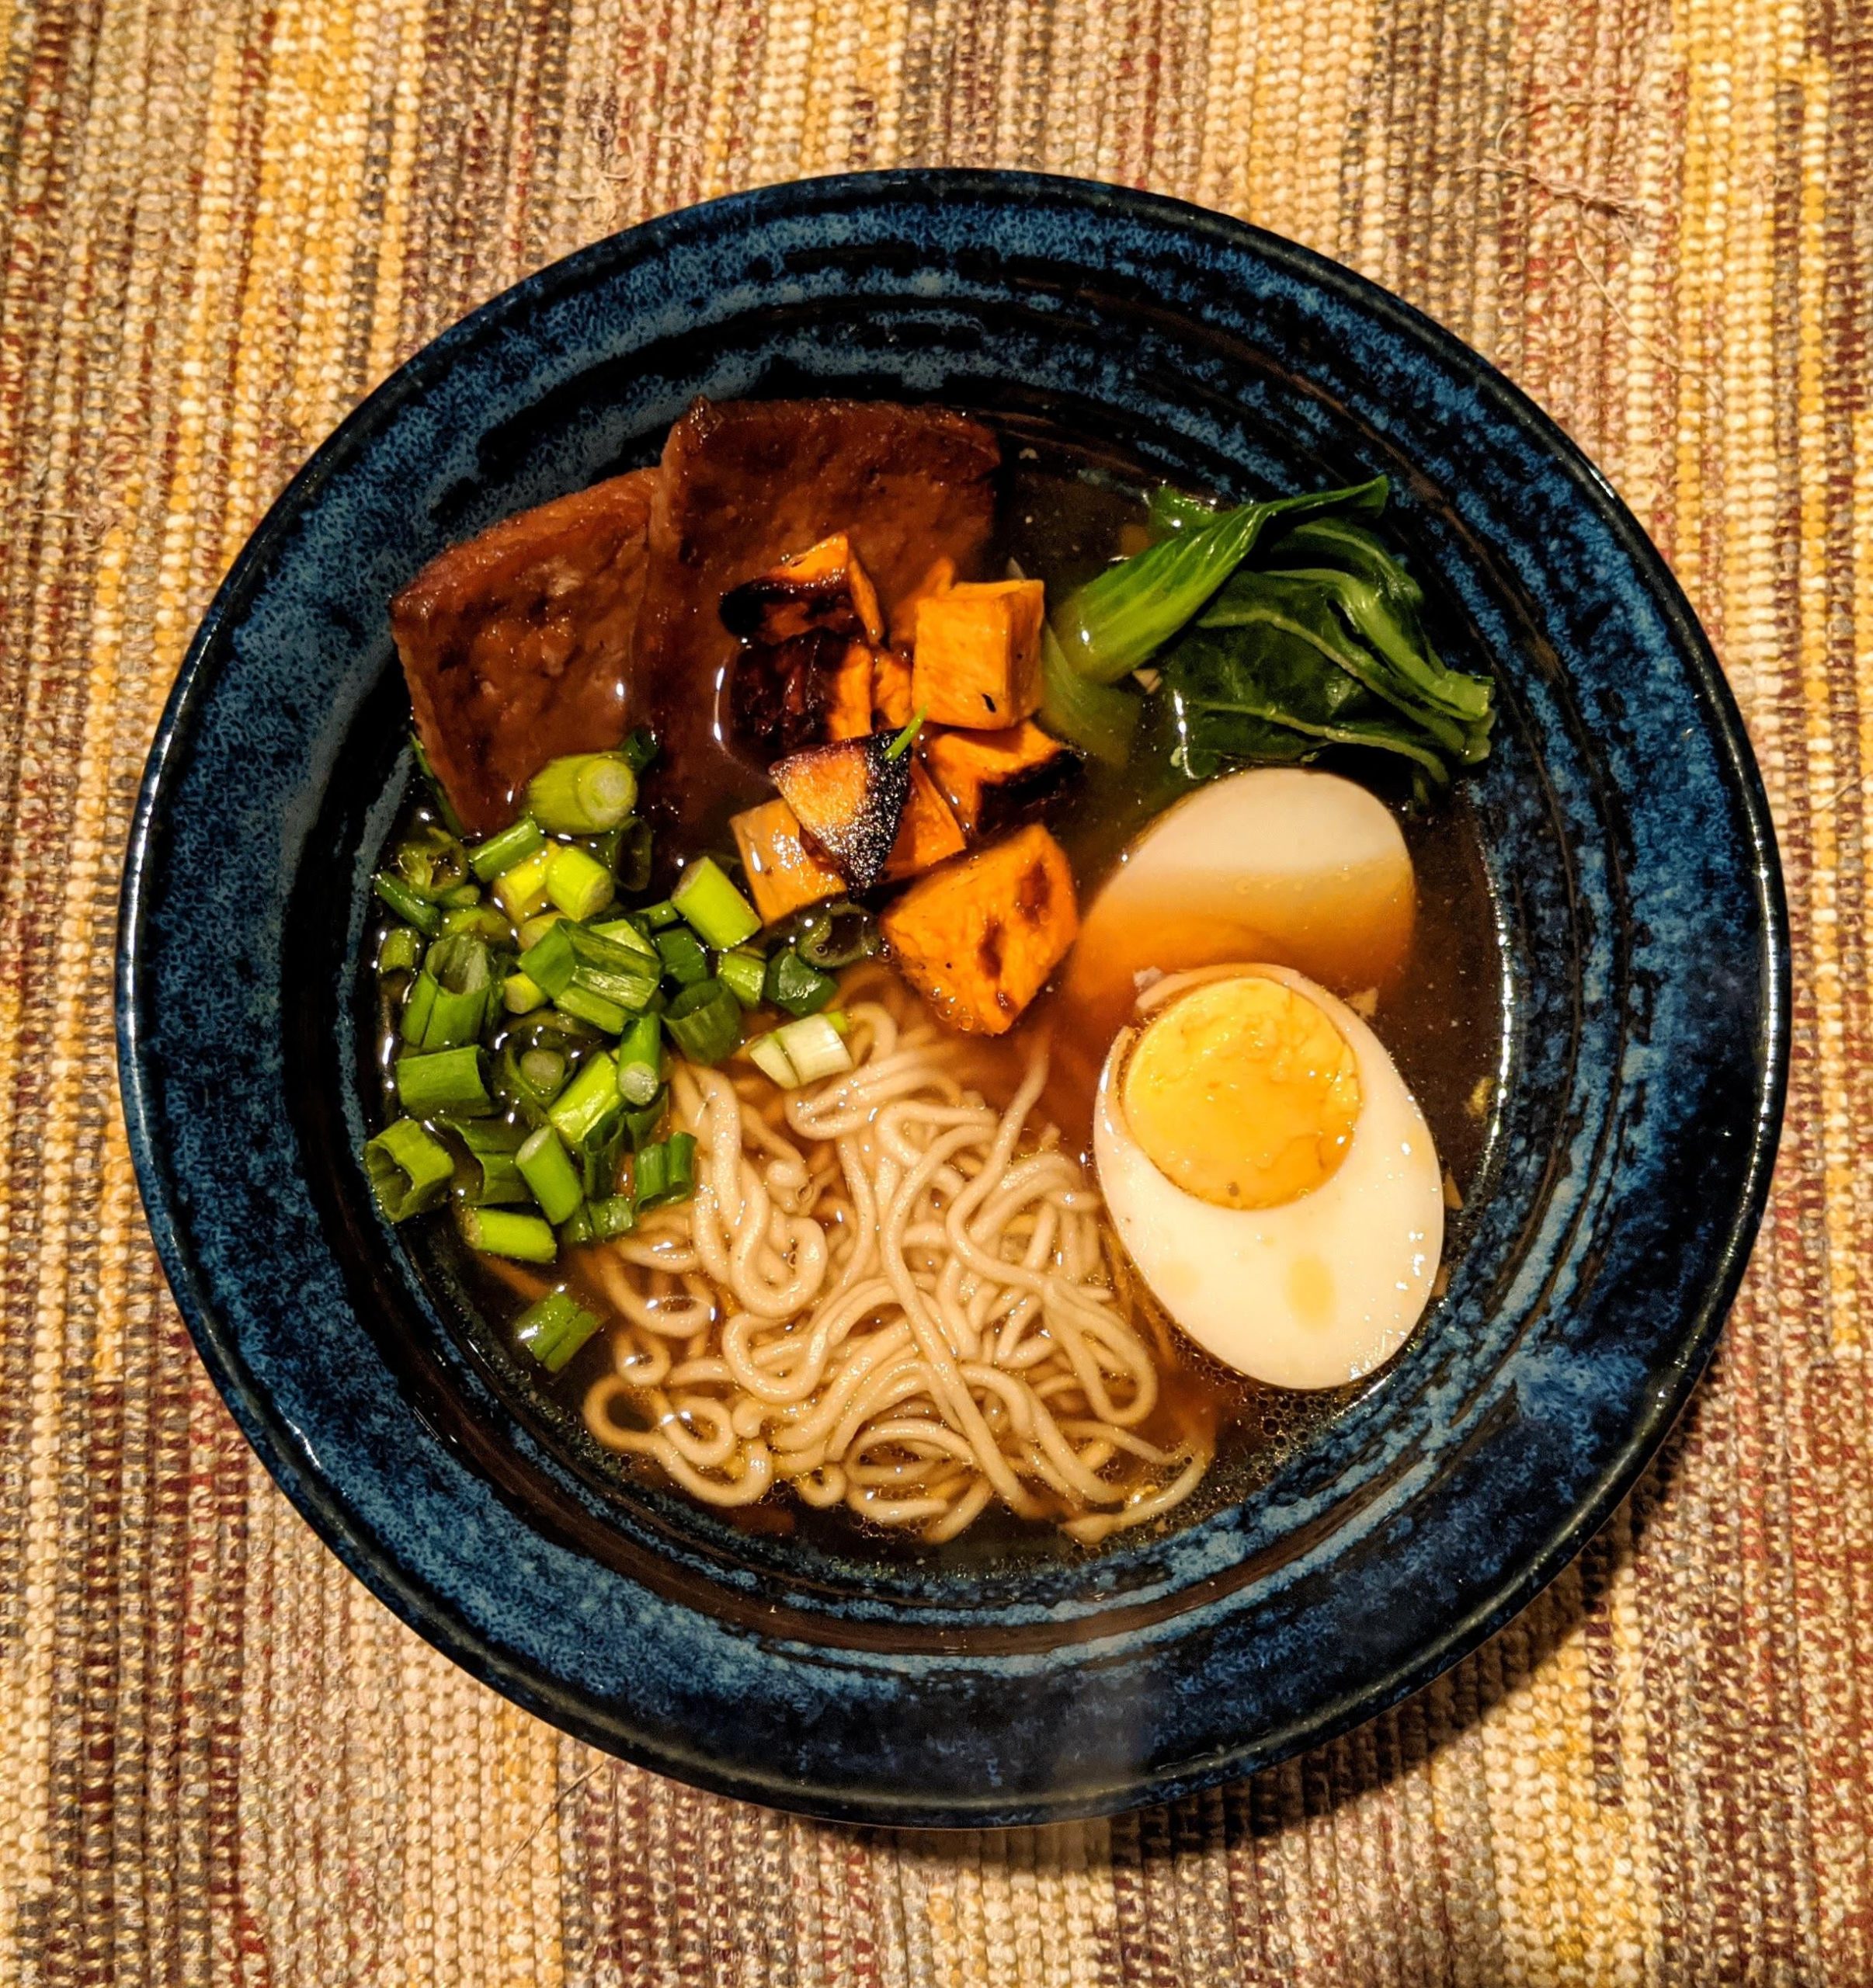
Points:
(1439, 1013)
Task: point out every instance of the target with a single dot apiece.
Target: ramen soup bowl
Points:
(1624, 964)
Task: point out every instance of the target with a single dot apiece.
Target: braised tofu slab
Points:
(517, 645)
(979, 938)
(992, 778)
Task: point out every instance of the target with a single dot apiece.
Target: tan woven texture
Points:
(225, 219)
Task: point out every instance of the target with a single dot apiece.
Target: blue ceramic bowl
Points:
(1644, 1009)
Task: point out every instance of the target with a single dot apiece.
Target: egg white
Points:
(1246, 1283)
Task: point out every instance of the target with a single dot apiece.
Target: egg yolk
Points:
(1243, 1093)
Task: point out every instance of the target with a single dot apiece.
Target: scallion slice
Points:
(500, 1232)
(579, 884)
(771, 1060)
(684, 958)
(642, 1125)
(583, 794)
(409, 1170)
(704, 1021)
(707, 901)
(816, 1048)
(742, 971)
(401, 951)
(445, 1080)
(555, 1329)
(406, 904)
(627, 851)
(640, 1061)
(521, 996)
(444, 806)
(637, 748)
(462, 969)
(588, 1101)
(655, 917)
(791, 984)
(665, 1172)
(596, 1009)
(549, 1172)
(625, 932)
(841, 933)
(615, 1215)
(501, 853)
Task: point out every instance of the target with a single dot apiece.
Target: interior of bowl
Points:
(1636, 1005)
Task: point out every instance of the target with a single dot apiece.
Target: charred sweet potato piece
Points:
(848, 714)
(746, 483)
(891, 689)
(992, 778)
(928, 833)
(940, 578)
(784, 874)
(516, 644)
(824, 587)
(975, 657)
(849, 799)
(978, 938)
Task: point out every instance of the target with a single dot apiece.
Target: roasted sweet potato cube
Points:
(928, 834)
(978, 938)
(848, 799)
(891, 689)
(848, 713)
(976, 654)
(992, 778)
(940, 578)
(784, 874)
(824, 587)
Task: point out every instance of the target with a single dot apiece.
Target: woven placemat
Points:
(226, 219)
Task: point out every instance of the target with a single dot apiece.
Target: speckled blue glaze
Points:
(1645, 1001)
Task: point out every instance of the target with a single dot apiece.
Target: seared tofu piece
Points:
(891, 689)
(848, 714)
(979, 938)
(849, 799)
(747, 483)
(517, 645)
(824, 587)
(939, 578)
(928, 834)
(784, 874)
(975, 658)
(992, 778)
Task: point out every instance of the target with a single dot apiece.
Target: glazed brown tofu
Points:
(849, 800)
(517, 645)
(992, 778)
(748, 483)
(975, 656)
(979, 938)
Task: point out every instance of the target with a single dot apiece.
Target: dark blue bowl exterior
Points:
(1645, 994)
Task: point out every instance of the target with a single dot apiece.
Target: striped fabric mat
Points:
(225, 219)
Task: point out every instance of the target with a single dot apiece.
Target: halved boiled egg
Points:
(1270, 1174)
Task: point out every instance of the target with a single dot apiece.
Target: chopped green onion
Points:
(637, 748)
(588, 1101)
(837, 934)
(704, 1021)
(640, 1061)
(460, 897)
(500, 1233)
(521, 994)
(771, 1060)
(666, 1172)
(1101, 719)
(478, 921)
(521, 889)
(401, 951)
(615, 1215)
(406, 904)
(742, 972)
(530, 931)
(409, 1170)
(655, 917)
(840, 1020)
(445, 1080)
(625, 932)
(579, 884)
(501, 853)
(544, 1323)
(418, 1004)
(815, 1048)
(583, 794)
(598, 1157)
(431, 862)
(707, 901)
(684, 960)
(905, 738)
(642, 1125)
(535, 1062)
(626, 852)
(549, 961)
(461, 971)
(549, 1174)
(577, 1227)
(492, 1149)
(451, 821)
(791, 984)
(600, 1011)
